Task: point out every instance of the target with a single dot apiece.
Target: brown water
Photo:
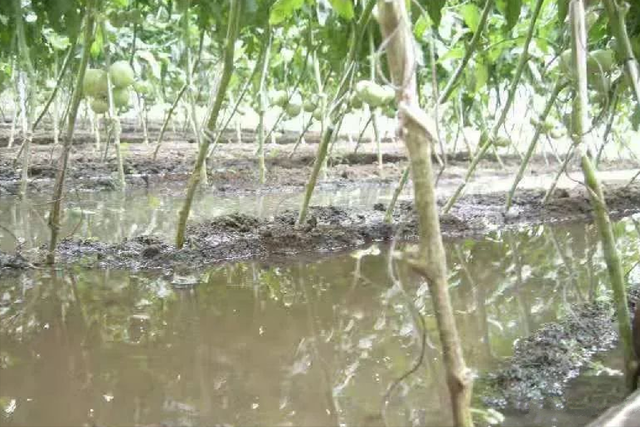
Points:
(314, 342)
(110, 216)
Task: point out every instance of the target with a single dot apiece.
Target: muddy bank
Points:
(328, 229)
(537, 374)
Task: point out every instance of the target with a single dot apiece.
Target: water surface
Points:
(313, 342)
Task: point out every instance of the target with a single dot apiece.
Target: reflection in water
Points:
(111, 216)
(309, 343)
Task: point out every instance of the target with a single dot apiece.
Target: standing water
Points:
(312, 342)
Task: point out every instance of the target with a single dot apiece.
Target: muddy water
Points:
(313, 342)
(110, 216)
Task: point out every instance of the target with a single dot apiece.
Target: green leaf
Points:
(344, 8)
(563, 9)
(421, 25)
(283, 9)
(482, 75)
(511, 11)
(434, 8)
(471, 15)
(57, 41)
(455, 53)
(96, 46)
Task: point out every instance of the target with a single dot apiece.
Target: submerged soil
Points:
(327, 229)
(233, 169)
(542, 363)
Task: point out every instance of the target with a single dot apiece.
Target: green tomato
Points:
(121, 74)
(294, 107)
(601, 61)
(373, 94)
(121, 97)
(556, 134)
(355, 102)
(502, 141)
(599, 81)
(308, 106)
(279, 98)
(566, 63)
(95, 82)
(534, 121)
(143, 87)
(99, 105)
(317, 114)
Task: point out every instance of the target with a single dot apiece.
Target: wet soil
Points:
(327, 229)
(542, 364)
(233, 166)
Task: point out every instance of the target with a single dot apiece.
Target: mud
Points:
(328, 229)
(543, 363)
(234, 167)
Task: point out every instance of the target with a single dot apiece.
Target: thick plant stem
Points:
(232, 34)
(601, 214)
(534, 140)
(616, 12)
(430, 261)
(76, 97)
(317, 166)
(522, 62)
(614, 267)
(388, 215)
(473, 45)
(167, 118)
(333, 107)
(262, 108)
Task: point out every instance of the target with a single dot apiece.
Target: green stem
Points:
(232, 34)
(534, 141)
(430, 259)
(262, 107)
(61, 73)
(317, 166)
(114, 119)
(361, 135)
(601, 214)
(616, 13)
(388, 216)
(27, 83)
(167, 118)
(301, 136)
(338, 99)
(475, 41)
(524, 57)
(76, 97)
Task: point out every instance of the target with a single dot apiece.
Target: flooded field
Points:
(314, 341)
